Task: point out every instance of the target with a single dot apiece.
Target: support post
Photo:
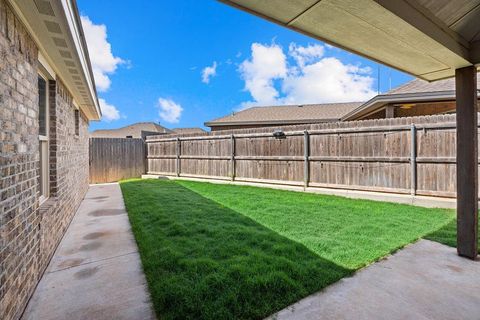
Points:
(390, 112)
(306, 148)
(232, 157)
(413, 160)
(467, 161)
(177, 163)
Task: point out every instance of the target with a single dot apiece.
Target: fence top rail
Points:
(115, 139)
(189, 138)
(404, 127)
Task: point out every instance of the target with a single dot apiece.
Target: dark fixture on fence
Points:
(279, 134)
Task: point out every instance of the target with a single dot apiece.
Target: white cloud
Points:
(209, 72)
(109, 112)
(104, 63)
(303, 55)
(259, 72)
(328, 80)
(169, 111)
(304, 76)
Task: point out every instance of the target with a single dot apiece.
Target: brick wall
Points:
(29, 233)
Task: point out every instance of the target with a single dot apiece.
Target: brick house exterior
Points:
(30, 230)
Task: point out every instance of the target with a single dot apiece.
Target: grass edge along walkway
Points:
(214, 251)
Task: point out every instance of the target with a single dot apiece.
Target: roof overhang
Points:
(269, 122)
(427, 39)
(56, 28)
(381, 100)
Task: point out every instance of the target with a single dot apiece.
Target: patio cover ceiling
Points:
(426, 38)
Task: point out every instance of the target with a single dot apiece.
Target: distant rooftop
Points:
(142, 129)
(188, 130)
(422, 86)
(133, 131)
(415, 91)
(290, 114)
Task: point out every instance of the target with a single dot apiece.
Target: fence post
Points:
(232, 157)
(306, 148)
(177, 165)
(413, 159)
(145, 155)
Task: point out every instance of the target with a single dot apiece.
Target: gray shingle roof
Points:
(188, 130)
(422, 86)
(307, 113)
(416, 90)
(133, 130)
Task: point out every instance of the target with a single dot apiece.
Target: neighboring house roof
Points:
(134, 130)
(188, 130)
(56, 28)
(291, 114)
(422, 86)
(415, 91)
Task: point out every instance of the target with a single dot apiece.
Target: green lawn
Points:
(447, 235)
(213, 251)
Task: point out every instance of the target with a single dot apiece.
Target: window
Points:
(77, 122)
(43, 136)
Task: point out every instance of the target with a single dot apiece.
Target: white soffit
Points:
(421, 37)
(56, 29)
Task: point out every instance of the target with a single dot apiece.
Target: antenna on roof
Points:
(378, 79)
(389, 79)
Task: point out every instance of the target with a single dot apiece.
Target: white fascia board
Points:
(74, 31)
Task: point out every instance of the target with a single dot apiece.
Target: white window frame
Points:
(44, 147)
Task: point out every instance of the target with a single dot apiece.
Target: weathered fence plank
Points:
(114, 159)
(403, 155)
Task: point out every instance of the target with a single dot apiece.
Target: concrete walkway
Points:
(96, 271)
(426, 280)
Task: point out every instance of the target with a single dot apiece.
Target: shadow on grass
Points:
(447, 235)
(351, 233)
(205, 261)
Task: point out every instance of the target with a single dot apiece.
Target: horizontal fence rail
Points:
(114, 159)
(405, 155)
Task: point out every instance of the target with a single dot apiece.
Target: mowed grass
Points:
(447, 235)
(351, 233)
(214, 251)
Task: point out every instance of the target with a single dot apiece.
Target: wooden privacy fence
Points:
(114, 159)
(397, 155)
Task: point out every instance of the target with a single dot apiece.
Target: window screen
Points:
(42, 106)
(77, 122)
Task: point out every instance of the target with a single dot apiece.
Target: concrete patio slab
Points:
(96, 271)
(426, 280)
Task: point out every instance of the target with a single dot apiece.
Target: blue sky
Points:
(149, 60)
